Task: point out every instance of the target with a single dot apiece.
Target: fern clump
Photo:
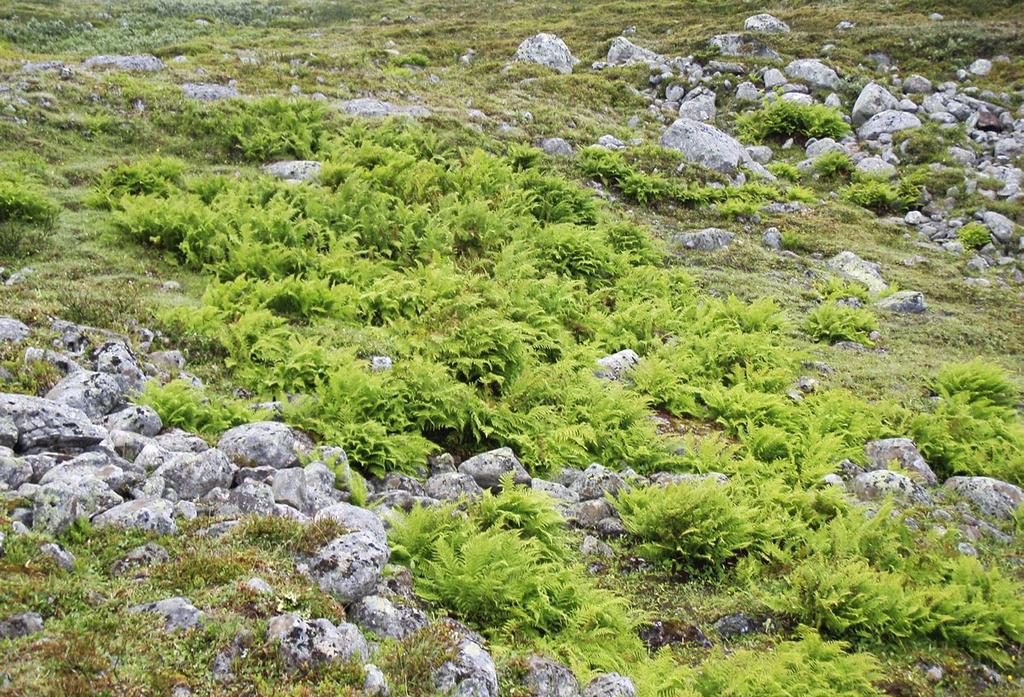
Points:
(973, 235)
(832, 322)
(833, 165)
(155, 176)
(785, 119)
(25, 201)
(190, 408)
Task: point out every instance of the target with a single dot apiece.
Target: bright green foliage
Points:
(979, 383)
(25, 201)
(881, 196)
(784, 119)
(691, 526)
(832, 322)
(973, 235)
(265, 129)
(155, 176)
(809, 666)
(190, 408)
(833, 164)
(784, 170)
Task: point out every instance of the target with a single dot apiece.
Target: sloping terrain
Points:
(533, 348)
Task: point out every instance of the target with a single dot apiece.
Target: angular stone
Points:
(42, 424)
(488, 468)
(993, 497)
(853, 268)
(887, 122)
(451, 486)
(377, 614)
(265, 443)
(57, 505)
(704, 145)
(96, 394)
(193, 475)
(707, 240)
(349, 567)
(881, 483)
(309, 643)
(547, 50)
(610, 685)
(902, 451)
(910, 301)
(470, 674)
(815, 73)
(178, 613)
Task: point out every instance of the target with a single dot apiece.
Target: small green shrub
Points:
(974, 235)
(831, 322)
(184, 406)
(784, 170)
(154, 176)
(833, 165)
(24, 201)
(874, 195)
(784, 119)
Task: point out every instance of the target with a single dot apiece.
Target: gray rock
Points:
(137, 63)
(63, 558)
(248, 498)
(980, 67)
(815, 73)
(488, 468)
(610, 142)
(355, 519)
(193, 475)
(761, 154)
(57, 505)
(624, 52)
(349, 567)
(307, 489)
(731, 626)
(547, 50)
(699, 105)
(589, 514)
(704, 145)
(853, 268)
(559, 492)
(993, 497)
(20, 625)
(910, 301)
(470, 674)
(138, 558)
(171, 361)
(116, 359)
(179, 441)
(451, 486)
(617, 366)
(773, 77)
(772, 238)
(917, 84)
(610, 685)
(178, 613)
(556, 147)
(596, 548)
(96, 394)
(259, 586)
(999, 225)
(375, 108)
(881, 483)
(547, 678)
(887, 122)
(13, 331)
(819, 146)
(738, 45)
(135, 419)
(596, 481)
(377, 614)
(294, 170)
(876, 167)
(208, 92)
(265, 443)
(14, 471)
(309, 643)
(375, 684)
(765, 24)
(111, 470)
(707, 240)
(902, 451)
(8, 433)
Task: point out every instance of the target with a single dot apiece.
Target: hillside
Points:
(607, 349)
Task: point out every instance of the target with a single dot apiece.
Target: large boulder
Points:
(193, 475)
(814, 73)
(853, 268)
(349, 567)
(307, 489)
(993, 497)
(208, 91)
(904, 453)
(309, 643)
(14, 471)
(56, 505)
(873, 99)
(96, 394)
(265, 443)
(624, 52)
(144, 63)
(488, 468)
(355, 519)
(547, 50)
(704, 145)
(887, 122)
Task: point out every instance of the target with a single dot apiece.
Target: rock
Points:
(993, 497)
(547, 678)
(488, 468)
(610, 142)
(917, 84)
(559, 492)
(208, 92)
(624, 52)
(699, 105)
(178, 613)
(596, 548)
(179, 441)
(547, 50)
(617, 366)
(193, 475)
(980, 67)
(876, 167)
(308, 489)
(773, 77)
(294, 170)
(909, 301)
(853, 268)
(377, 614)
(355, 519)
(765, 24)
(704, 145)
(707, 240)
(349, 567)
(20, 625)
(819, 146)
(96, 394)
(116, 359)
(556, 147)
(451, 486)
(999, 225)
(902, 451)
(375, 108)
(135, 419)
(139, 557)
(309, 643)
(589, 514)
(63, 558)
(731, 626)
(737, 45)
(887, 122)
(610, 685)
(815, 73)
(660, 633)
(57, 505)
(138, 63)
(881, 483)
(107, 468)
(171, 361)
(12, 331)
(265, 443)
(872, 99)
(772, 239)
(375, 684)
(251, 497)
(761, 154)
(470, 674)
(150, 514)
(596, 481)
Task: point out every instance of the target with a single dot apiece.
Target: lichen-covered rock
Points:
(307, 489)
(470, 674)
(547, 50)
(135, 419)
(96, 394)
(43, 424)
(879, 484)
(294, 170)
(367, 107)
(22, 624)
(556, 147)
(208, 92)
(873, 99)
(248, 498)
(355, 519)
(377, 614)
(765, 24)
(488, 468)
(815, 73)
(308, 643)
(193, 475)
(349, 567)
(704, 145)
(610, 685)
(624, 52)
(887, 122)
(12, 331)
(547, 678)
(116, 359)
(853, 268)
(451, 486)
(706, 240)
(179, 614)
(596, 481)
(138, 558)
(14, 471)
(993, 497)
(265, 443)
(902, 451)
(618, 365)
(57, 505)
(137, 63)
(588, 514)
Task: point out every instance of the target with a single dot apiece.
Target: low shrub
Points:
(832, 322)
(154, 176)
(973, 235)
(833, 165)
(182, 405)
(784, 119)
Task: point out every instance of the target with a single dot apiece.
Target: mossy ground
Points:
(84, 272)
